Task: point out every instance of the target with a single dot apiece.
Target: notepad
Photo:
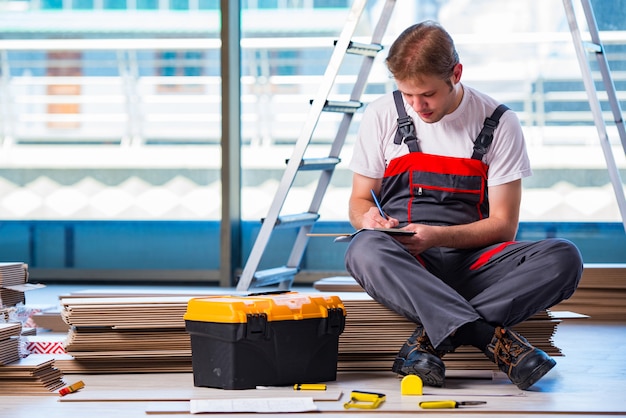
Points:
(347, 236)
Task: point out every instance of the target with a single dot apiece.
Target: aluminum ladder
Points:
(283, 276)
(596, 48)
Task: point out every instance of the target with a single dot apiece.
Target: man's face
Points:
(432, 97)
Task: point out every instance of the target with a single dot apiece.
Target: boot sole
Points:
(432, 374)
(537, 374)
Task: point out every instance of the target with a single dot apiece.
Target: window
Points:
(132, 131)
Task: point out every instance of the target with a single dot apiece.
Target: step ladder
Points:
(596, 48)
(283, 276)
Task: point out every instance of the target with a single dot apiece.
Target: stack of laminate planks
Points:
(147, 334)
(374, 334)
(9, 342)
(34, 374)
(126, 334)
(600, 294)
(13, 276)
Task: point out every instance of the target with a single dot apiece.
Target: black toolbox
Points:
(240, 342)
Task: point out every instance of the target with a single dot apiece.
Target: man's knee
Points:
(568, 260)
(360, 251)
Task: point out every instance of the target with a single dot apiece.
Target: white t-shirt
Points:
(453, 136)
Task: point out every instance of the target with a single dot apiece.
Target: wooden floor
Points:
(590, 380)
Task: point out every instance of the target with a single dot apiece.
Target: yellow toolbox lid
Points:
(279, 307)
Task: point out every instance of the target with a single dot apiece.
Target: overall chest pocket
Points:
(447, 189)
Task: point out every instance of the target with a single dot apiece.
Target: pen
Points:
(380, 209)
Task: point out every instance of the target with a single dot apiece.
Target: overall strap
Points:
(406, 129)
(485, 136)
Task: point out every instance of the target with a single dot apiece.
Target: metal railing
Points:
(143, 92)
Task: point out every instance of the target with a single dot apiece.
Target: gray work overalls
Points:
(444, 288)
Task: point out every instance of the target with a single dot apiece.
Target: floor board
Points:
(589, 380)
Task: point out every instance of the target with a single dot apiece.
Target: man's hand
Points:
(500, 226)
(424, 237)
(373, 219)
(363, 211)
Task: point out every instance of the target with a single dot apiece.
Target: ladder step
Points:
(366, 50)
(350, 106)
(593, 47)
(324, 163)
(275, 275)
(296, 220)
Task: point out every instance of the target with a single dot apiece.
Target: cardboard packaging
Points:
(264, 340)
(46, 344)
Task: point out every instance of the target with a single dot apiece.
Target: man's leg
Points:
(507, 284)
(396, 279)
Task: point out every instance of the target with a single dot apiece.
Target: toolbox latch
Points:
(256, 328)
(335, 322)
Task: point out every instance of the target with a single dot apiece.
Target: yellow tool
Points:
(72, 388)
(309, 386)
(411, 385)
(447, 404)
(364, 400)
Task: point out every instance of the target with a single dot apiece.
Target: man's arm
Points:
(363, 212)
(501, 225)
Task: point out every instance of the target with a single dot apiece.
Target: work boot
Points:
(418, 356)
(522, 363)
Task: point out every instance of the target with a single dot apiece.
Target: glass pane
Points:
(114, 4)
(147, 4)
(82, 4)
(52, 4)
(208, 4)
(114, 141)
(179, 4)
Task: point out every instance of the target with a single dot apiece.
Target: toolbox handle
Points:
(270, 292)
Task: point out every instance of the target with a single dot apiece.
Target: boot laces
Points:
(506, 349)
(422, 343)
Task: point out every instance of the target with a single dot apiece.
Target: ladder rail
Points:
(592, 94)
(302, 142)
(302, 239)
(366, 68)
(355, 95)
(607, 79)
